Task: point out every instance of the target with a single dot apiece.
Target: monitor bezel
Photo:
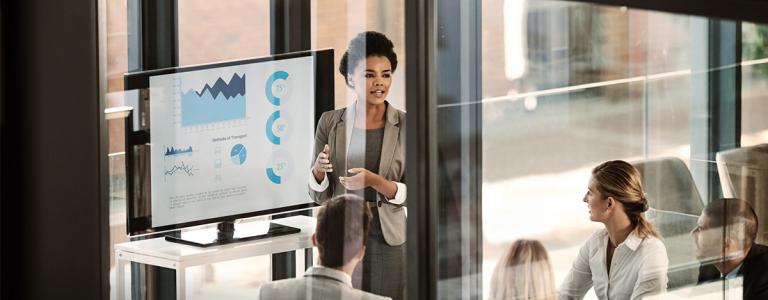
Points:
(324, 101)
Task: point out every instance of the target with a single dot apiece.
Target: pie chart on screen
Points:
(238, 154)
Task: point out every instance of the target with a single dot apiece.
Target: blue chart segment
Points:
(268, 87)
(273, 176)
(170, 151)
(221, 102)
(238, 154)
(270, 125)
(279, 166)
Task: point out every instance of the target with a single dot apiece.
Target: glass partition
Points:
(197, 32)
(225, 31)
(524, 100)
(566, 86)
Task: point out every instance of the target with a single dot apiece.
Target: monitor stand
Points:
(226, 233)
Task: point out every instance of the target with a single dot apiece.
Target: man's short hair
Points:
(735, 215)
(342, 229)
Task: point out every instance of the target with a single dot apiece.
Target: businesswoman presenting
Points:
(626, 260)
(360, 149)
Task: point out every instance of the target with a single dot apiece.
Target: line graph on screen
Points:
(220, 102)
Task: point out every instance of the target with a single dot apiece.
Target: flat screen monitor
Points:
(223, 141)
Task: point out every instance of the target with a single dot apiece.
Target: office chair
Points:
(670, 186)
(675, 207)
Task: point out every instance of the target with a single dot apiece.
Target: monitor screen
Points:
(228, 140)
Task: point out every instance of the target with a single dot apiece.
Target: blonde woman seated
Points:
(626, 260)
(523, 272)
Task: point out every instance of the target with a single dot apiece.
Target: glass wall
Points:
(243, 33)
(754, 76)
(530, 96)
(567, 86)
(241, 30)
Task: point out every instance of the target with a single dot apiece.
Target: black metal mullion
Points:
(289, 32)
(153, 43)
(290, 26)
(716, 105)
(160, 37)
(724, 101)
(475, 147)
(459, 147)
(420, 42)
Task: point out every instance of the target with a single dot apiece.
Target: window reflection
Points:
(566, 85)
(225, 31)
(211, 32)
(571, 85)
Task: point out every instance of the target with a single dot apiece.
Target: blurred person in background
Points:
(523, 273)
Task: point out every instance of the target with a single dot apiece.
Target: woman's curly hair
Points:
(365, 44)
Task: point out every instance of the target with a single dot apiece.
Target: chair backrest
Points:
(675, 206)
(744, 174)
(676, 229)
(669, 185)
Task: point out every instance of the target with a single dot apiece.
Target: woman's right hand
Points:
(322, 165)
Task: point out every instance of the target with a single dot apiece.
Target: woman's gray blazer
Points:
(335, 129)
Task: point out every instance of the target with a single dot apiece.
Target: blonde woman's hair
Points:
(622, 181)
(524, 272)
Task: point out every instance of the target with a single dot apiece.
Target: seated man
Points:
(342, 225)
(725, 244)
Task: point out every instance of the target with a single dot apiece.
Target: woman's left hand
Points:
(361, 178)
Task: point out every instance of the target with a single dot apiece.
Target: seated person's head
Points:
(342, 228)
(726, 227)
(523, 272)
(615, 190)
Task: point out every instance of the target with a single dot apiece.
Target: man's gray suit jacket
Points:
(318, 283)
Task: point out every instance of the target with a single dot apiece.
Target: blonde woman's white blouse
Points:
(638, 269)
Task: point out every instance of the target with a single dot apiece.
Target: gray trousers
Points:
(382, 270)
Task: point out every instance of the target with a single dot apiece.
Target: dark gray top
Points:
(365, 152)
